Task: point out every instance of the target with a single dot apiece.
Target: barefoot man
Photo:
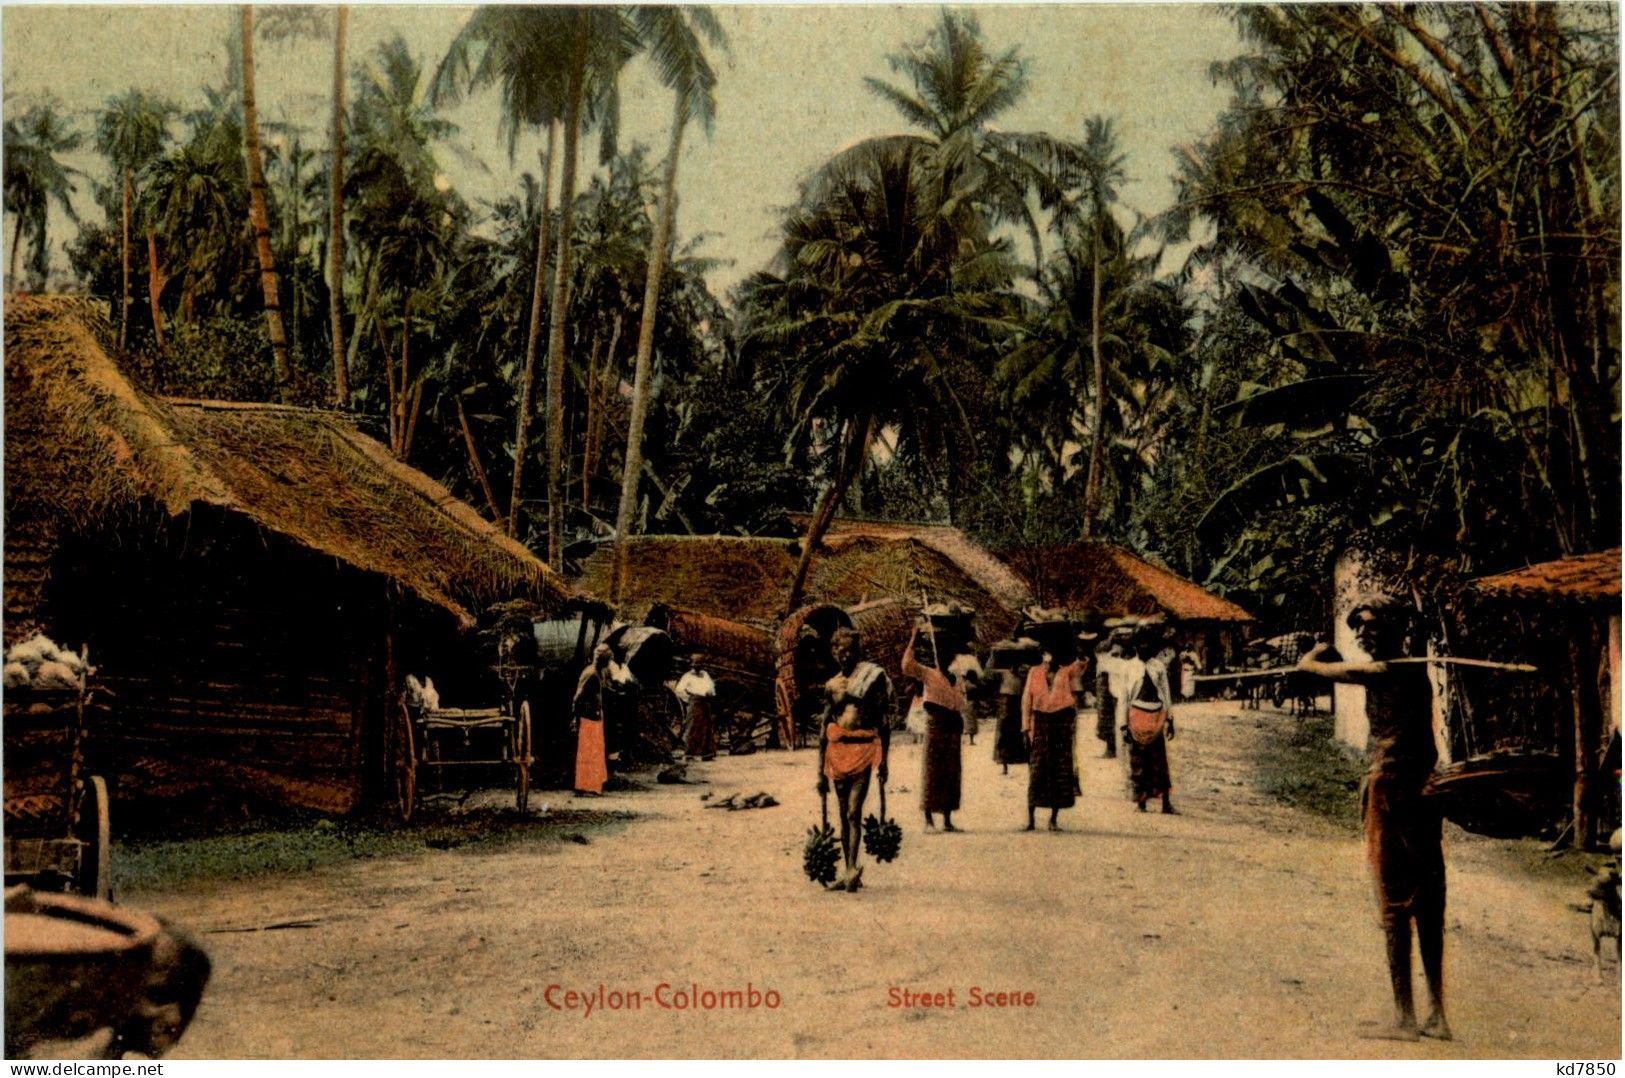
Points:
(856, 736)
(1402, 831)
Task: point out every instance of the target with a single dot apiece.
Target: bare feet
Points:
(856, 880)
(1053, 826)
(1169, 810)
(1029, 827)
(1382, 1031)
(949, 827)
(838, 885)
(1437, 1028)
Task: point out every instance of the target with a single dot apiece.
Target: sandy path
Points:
(1241, 928)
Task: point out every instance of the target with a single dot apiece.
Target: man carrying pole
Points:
(1402, 831)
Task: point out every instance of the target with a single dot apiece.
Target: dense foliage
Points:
(1396, 327)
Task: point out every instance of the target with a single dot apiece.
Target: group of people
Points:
(1037, 726)
(603, 679)
(1403, 832)
(1040, 708)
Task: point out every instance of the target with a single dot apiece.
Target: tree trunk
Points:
(1097, 438)
(642, 373)
(155, 287)
(16, 249)
(403, 391)
(591, 422)
(259, 219)
(859, 433)
(478, 468)
(559, 309)
(538, 291)
(335, 244)
(124, 258)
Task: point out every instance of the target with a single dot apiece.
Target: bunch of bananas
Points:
(881, 838)
(819, 856)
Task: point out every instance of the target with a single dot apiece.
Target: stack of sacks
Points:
(38, 663)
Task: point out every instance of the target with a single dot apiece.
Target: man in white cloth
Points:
(696, 692)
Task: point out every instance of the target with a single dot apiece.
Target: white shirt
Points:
(695, 683)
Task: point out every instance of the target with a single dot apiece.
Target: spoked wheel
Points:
(522, 754)
(403, 764)
(95, 830)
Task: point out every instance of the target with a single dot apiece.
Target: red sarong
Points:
(592, 767)
(848, 753)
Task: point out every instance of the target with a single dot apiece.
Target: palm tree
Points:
(131, 133)
(957, 89)
(554, 62)
(873, 286)
(514, 47)
(672, 37)
(192, 201)
(259, 219)
(335, 234)
(34, 178)
(406, 222)
(1102, 168)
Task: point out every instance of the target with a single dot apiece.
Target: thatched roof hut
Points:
(1101, 579)
(1566, 620)
(83, 443)
(748, 579)
(729, 594)
(1095, 577)
(250, 577)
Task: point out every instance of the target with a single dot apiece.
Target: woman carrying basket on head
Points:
(944, 708)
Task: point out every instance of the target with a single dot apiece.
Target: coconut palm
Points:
(131, 133)
(258, 218)
(335, 234)
(35, 178)
(956, 90)
(293, 21)
(1101, 168)
(672, 37)
(873, 285)
(191, 206)
(554, 63)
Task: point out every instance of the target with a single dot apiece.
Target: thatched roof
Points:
(990, 574)
(1583, 579)
(82, 442)
(1106, 579)
(748, 580)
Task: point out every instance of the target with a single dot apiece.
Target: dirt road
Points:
(1242, 928)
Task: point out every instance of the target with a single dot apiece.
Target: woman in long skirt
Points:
(592, 763)
(1150, 723)
(1049, 719)
(944, 703)
(1010, 747)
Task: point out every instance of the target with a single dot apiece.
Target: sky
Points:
(790, 91)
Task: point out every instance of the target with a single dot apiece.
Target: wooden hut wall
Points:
(234, 659)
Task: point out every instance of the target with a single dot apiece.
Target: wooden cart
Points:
(58, 828)
(427, 743)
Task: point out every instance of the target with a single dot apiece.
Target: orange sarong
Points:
(1146, 726)
(592, 767)
(848, 753)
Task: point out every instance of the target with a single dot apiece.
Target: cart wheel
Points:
(403, 765)
(95, 830)
(522, 755)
